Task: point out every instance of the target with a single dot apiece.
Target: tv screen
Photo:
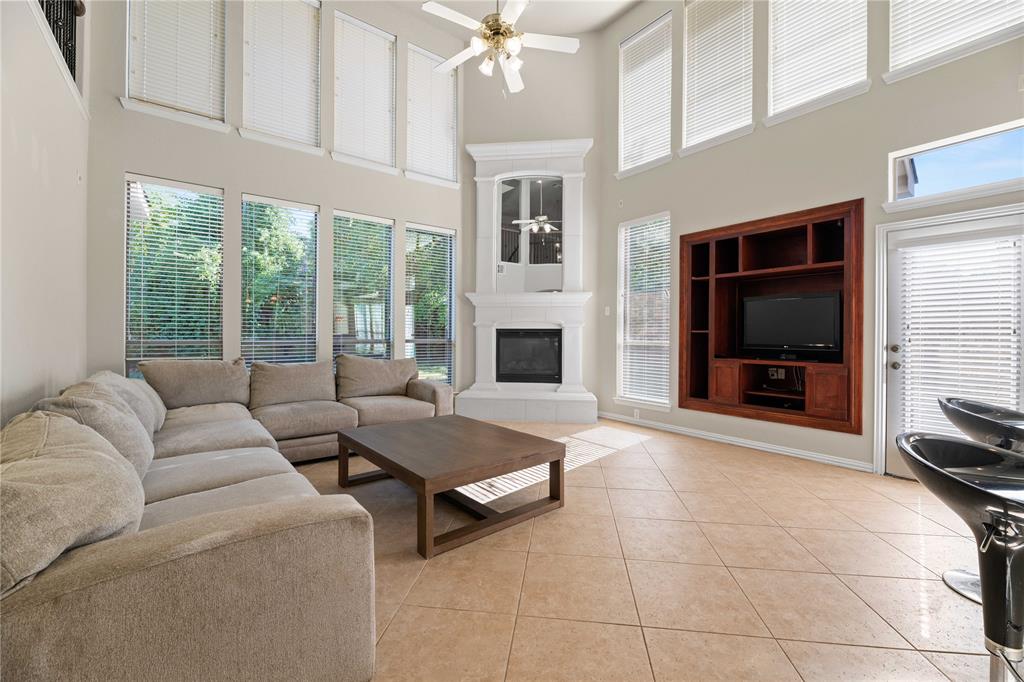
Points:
(794, 321)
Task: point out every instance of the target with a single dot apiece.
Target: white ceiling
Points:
(558, 17)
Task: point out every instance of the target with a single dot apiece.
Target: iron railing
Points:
(62, 17)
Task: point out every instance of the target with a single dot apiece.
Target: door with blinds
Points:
(954, 314)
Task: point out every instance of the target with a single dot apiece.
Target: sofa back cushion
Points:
(358, 376)
(101, 409)
(63, 486)
(139, 395)
(273, 384)
(182, 383)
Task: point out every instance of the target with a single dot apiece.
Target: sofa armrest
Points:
(283, 590)
(433, 392)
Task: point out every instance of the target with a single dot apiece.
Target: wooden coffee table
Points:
(434, 456)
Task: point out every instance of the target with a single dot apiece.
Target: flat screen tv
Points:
(793, 327)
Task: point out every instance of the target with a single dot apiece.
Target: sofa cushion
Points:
(310, 447)
(139, 395)
(185, 474)
(244, 494)
(274, 384)
(186, 439)
(307, 418)
(380, 409)
(200, 414)
(358, 376)
(63, 486)
(181, 383)
(101, 409)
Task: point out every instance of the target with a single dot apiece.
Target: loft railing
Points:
(62, 17)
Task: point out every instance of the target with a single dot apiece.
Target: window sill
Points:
(174, 115)
(635, 170)
(717, 140)
(364, 163)
(430, 179)
(951, 55)
(281, 142)
(826, 100)
(642, 404)
(989, 190)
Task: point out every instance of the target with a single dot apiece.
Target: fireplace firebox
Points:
(529, 355)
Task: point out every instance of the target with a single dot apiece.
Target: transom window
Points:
(645, 95)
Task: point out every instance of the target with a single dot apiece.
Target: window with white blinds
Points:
(174, 249)
(364, 91)
(817, 48)
(430, 301)
(718, 61)
(362, 285)
(278, 281)
(432, 117)
(645, 95)
(176, 55)
(922, 30)
(645, 280)
(960, 309)
(282, 69)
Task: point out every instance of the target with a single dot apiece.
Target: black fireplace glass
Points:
(529, 355)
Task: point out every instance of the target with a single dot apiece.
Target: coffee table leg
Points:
(343, 467)
(425, 524)
(556, 480)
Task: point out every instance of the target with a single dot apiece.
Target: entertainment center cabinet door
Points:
(827, 391)
(725, 382)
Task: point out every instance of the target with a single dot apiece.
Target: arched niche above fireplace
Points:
(529, 227)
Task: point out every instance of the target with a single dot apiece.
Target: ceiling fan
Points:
(497, 36)
(540, 222)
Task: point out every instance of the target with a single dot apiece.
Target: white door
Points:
(953, 322)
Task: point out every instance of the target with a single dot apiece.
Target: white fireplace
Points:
(529, 279)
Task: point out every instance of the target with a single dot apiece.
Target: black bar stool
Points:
(984, 485)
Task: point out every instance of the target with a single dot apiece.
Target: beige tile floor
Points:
(680, 559)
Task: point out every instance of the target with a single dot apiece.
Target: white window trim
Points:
(250, 134)
(283, 203)
(363, 163)
(826, 100)
(643, 167)
(171, 114)
(176, 184)
(728, 136)
(954, 53)
(431, 180)
(51, 43)
(618, 398)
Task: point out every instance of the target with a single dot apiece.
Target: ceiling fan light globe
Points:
(514, 45)
(478, 44)
(487, 66)
(515, 63)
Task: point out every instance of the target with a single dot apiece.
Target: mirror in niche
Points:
(531, 234)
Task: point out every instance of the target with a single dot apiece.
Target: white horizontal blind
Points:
(278, 281)
(362, 285)
(433, 116)
(364, 90)
(645, 95)
(173, 273)
(719, 68)
(919, 29)
(960, 306)
(644, 319)
(817, 47)
(176, 54)
(282, 69)
(430, 301)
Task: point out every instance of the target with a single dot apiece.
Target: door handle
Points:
(895, 365)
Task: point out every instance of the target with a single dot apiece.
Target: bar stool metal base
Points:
(965, 583)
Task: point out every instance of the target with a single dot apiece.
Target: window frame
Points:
(637, 36)
(453, 298)
(392, 224)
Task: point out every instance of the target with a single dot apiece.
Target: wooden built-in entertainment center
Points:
(814, 251)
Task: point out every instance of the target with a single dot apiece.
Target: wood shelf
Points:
(795, 395)
(784, 270)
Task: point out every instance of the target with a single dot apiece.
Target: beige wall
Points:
(131, 142)
(826, 156)
(42, 219)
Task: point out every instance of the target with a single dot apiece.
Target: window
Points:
(278, 281)
(645, 274)
(176, 55)
(719, 69)
(364, 93)
(430, 301)
(817, 49)
(362, 285)
(282, 69)
(926, 33)
(645, 95)
(433, 118)
(173, 272)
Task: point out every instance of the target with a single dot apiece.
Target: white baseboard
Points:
(742, 442)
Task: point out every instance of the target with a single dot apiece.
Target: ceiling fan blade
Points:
(439, 10)
(543, 41)
(453, 62)
(512, 10)
(512, 77)
(521, 222)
